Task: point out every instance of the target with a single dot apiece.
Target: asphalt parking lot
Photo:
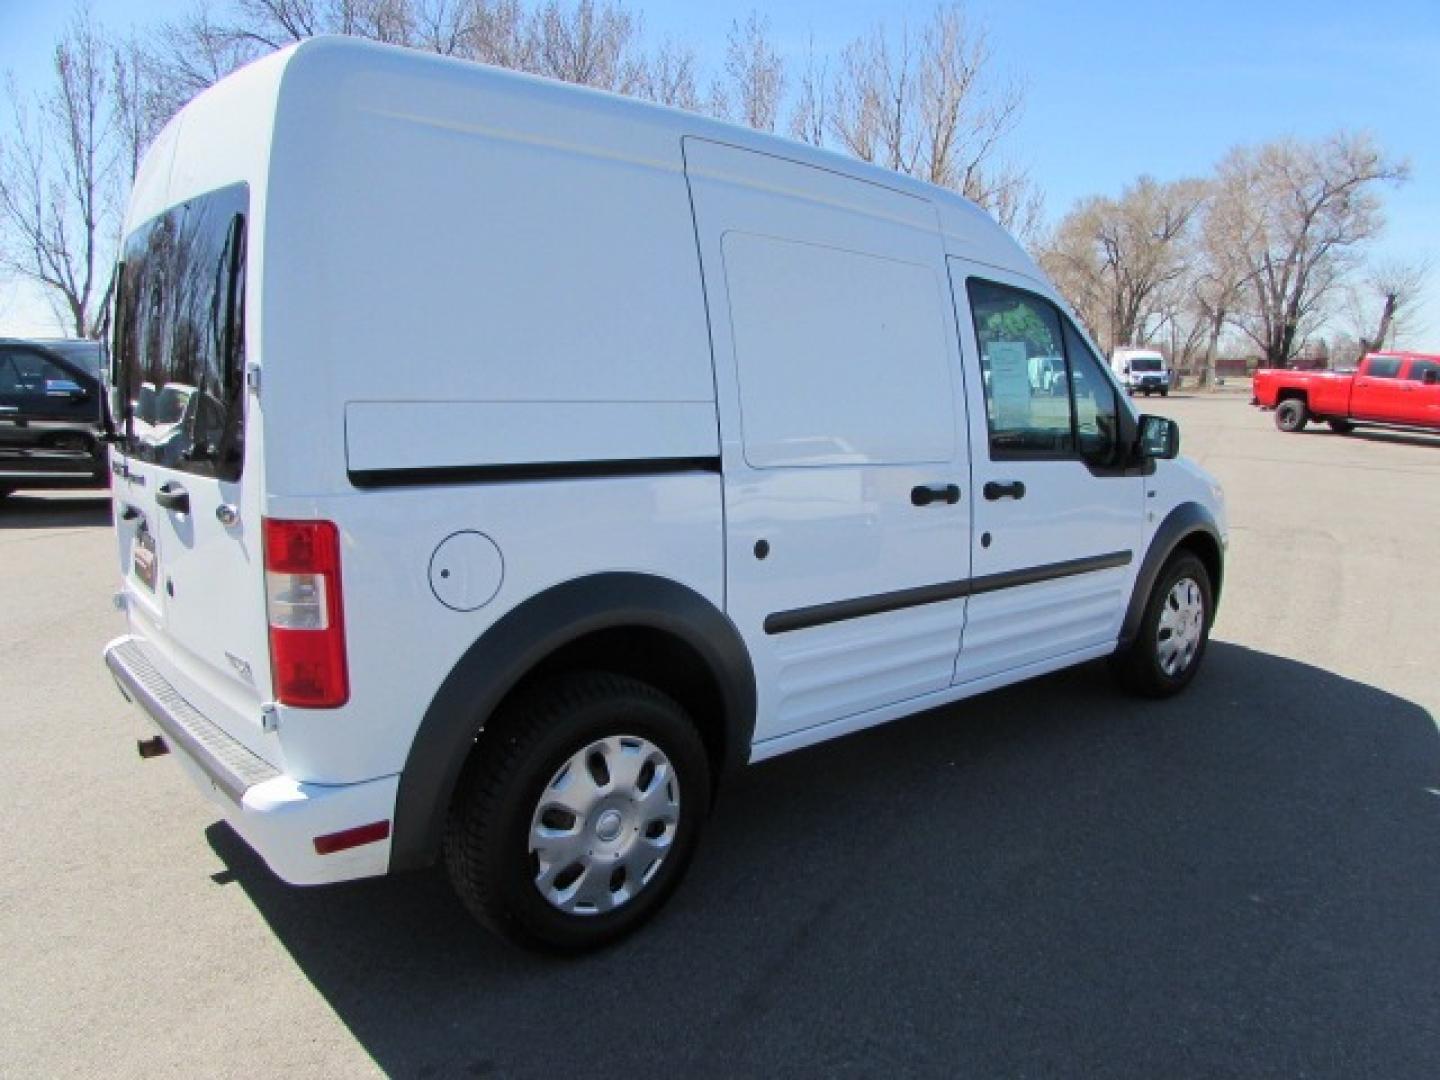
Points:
(1052, 880)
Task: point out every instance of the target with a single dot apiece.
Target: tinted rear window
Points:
(1383, 367)
(179, 336)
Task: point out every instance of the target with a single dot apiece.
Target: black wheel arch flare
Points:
(523, 638)
(1181, 527)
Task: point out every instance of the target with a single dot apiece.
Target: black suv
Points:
(51, 433)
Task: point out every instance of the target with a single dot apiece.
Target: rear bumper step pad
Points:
(232, 766)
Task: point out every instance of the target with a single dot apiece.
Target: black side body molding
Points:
(540, 470)
(782, 622)
(1186, 520)
(523, 637)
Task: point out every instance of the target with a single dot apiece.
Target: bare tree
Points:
(1314, 206)
(930, 106)
(1113, 258)
(669, 77)
(1221, 276)
(755, 74)
(1395, 286)
(57, 165)
(590, 44)
(808, 119)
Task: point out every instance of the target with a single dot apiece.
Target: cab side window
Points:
(1383, 367)
(1425, 371)
(1097, 404)
(1020, 342)
(25, 372)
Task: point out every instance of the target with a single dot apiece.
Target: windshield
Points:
(179, 334)
(1145, 363)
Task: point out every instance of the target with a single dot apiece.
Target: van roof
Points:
(330, 64)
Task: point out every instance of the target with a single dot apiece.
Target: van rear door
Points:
(188, 510)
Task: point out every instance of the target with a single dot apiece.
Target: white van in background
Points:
(553, 454)
(1144, 371)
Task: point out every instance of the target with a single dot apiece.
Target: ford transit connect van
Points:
(546, 456)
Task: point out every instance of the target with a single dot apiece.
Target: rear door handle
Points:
(926, 494)
(172, 496)
(1010, 489)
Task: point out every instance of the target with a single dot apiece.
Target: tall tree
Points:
(1314, 205)
(57, 170)
(931, 105)
(1393, 286)
(1114, 258)
(754, 76)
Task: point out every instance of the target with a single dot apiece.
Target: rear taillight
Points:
(305, 612)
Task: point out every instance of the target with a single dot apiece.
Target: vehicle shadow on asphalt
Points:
(23, 511)
(1395, 438)
(1052, 879)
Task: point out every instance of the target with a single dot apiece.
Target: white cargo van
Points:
(1144, 371)
(551, 455)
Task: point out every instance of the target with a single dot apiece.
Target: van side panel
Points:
(446, 234)
(468, 270)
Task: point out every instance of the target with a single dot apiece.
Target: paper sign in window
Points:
(1009, 383)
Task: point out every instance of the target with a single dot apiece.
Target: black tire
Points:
(1291, 415)
(1138, 667)
(1164, 393)
(1341, 427)
(487, 844)
(6, 492)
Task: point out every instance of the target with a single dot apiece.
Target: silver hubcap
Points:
(604, 824)
(1182, 626)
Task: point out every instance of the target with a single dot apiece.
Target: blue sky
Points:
(1114, 89)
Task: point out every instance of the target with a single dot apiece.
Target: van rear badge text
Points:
(242, 667)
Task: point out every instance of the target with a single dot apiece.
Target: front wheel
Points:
(1165, 393)
(1291, 415)
(1173, 632)
(579, 814)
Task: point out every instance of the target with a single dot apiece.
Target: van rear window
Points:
(179, 336)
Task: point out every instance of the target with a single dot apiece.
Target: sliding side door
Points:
(847, 484)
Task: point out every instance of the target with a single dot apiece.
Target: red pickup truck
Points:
(1390, 390)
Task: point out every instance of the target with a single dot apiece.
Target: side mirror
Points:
(65, 388)
(1431, 377)
(1159, 438)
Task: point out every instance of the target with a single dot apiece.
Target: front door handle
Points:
(1011, 489)
(172, 496)
(926, 494)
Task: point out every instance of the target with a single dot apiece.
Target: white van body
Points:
(1142, 370)
(578, 380)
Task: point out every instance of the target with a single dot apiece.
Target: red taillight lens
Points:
(307, 618)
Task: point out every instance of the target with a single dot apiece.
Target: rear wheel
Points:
(1341, 427)
(1173, 632)
(1291, 415)
(1165, 392)
(580, 812)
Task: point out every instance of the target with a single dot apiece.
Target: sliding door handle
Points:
(926, 494)
(1011, 489)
